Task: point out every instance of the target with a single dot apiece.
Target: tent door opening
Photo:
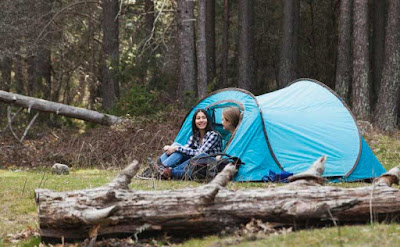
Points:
(215, 112)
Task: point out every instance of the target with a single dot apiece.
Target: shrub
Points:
(138, 101)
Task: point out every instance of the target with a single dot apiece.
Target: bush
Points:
(138, 101)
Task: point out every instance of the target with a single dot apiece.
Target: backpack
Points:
(206, 167)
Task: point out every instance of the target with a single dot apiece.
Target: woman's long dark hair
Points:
(195, 130)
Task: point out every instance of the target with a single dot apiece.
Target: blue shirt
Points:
(211, 144)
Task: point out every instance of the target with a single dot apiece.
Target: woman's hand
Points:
(165, 148)
(171, 149)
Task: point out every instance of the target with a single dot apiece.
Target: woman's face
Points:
(201, 120)
(225, 123)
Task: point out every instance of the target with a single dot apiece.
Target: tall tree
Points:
(201, 50)
(109, 82)
(146, 56)
(378, 23)
(31, 77)
(289, 43)
(210, 29)
(360, 89)
(344, 62)
(225, 44)
(387, 108)
(187, 69)
(93, 65)
(6, 69)
(42, 63)
(246, 44)
(39, 61)
(19, 74)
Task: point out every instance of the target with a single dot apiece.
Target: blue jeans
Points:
(173, 159)
(179, 171)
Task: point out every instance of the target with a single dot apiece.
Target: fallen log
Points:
(116, 209)
(58, 108)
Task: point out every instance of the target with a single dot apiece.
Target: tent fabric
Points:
(288, 130)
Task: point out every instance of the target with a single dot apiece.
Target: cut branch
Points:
(207, 209)
(59, 109)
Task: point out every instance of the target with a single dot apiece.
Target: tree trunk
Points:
(210, 30)
(344, 62)
(202, 50)
(378, 17)
(115, 209)
(31, 76)
(246, 44)
(187, 69)
(225, 45)
(43, 72)
(146, 56)
(289, 44)
(5, 81)
(42, 54)
(149, 17)
(94, 89)
(6, 69)
(58, 108)
(19, 74)
(360, 88)
(109, 82)
(385, 117)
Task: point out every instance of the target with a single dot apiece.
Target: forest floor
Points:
(89, 147)
(97, 154)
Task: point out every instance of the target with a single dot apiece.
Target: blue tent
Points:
(288, 130)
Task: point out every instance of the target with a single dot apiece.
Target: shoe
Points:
(157, 168)
(158, 162)
(166, 173)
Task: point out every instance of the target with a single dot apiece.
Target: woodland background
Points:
(138, 57)
(152, 60)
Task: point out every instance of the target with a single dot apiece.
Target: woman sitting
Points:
(230, 118)
(204, 141)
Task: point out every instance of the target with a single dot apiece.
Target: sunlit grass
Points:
(18, 209)
(386, 149)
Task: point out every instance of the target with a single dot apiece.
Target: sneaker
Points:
(166, 173)
(157, 168)
(147, 173)
(159, 165)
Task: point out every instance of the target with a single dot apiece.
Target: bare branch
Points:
(10, 123)
(59, 12)
(28, 127)
(153, 29)
(13, 117)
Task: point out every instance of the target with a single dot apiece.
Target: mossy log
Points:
(115, 209)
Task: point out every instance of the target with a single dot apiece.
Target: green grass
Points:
(369, 235)
(18, 209)
(385, 148)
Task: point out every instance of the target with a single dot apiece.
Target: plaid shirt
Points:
(211, 144)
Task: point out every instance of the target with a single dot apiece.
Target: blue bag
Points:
(281, 177)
